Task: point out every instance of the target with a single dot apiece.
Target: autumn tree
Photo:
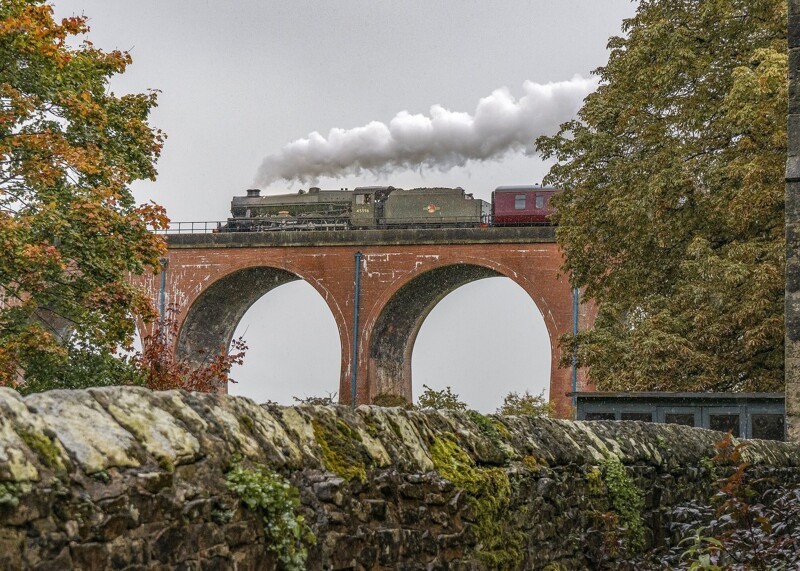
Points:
(70, 231)
(672, 217)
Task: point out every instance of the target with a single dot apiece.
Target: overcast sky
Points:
(242, 79)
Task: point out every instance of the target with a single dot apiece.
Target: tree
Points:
(525, 404)
(446, 399)
(672, 215)
(70, 231)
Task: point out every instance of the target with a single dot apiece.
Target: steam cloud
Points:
(442, 140)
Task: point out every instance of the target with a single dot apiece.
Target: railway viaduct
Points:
(212, 279)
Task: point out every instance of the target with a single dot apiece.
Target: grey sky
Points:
(241, 79)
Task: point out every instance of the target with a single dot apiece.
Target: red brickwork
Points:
(385, 269)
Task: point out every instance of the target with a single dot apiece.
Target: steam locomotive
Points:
(372, 207)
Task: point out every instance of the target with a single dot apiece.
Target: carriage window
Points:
(540, 201)
(519, 202)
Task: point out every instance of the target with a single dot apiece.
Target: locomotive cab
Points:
(368, 205)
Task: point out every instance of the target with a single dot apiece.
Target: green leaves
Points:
(626, 498)
(525, 404)
(268, 493)
(445, 399)
(672, 218)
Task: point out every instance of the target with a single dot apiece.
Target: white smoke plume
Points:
(442, 140)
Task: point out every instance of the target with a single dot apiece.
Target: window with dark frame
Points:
(600, 416)
(540, 201)
(768, 426)
(682, 418)
(724, 423)
(641, 416)
(519, 202)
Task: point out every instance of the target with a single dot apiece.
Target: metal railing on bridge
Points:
(295, 225)
(207, 227)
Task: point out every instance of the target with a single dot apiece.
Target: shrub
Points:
(327, 400)
(446, 399)
(161, 369)
(525, 404)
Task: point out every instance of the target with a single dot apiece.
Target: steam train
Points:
(372, 207)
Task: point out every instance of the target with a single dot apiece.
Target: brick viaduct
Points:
(212, 279)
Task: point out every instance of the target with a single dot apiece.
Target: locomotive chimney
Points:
(253, 192)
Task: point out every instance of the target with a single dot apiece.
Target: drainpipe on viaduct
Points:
(162, 292)
(354, 360)
(575, 295)
(792, 316)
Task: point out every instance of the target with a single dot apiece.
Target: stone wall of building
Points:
(792, 362)
(124, 478)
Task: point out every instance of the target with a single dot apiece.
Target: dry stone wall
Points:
(124, 478)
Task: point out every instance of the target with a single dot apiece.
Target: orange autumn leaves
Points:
(70, 231)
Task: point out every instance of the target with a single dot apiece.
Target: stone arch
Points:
(392, 337)
(212, 318)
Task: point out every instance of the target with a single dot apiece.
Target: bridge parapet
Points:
(386, 237)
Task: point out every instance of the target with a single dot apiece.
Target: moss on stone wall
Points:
(371, 426)
(594, 482)
(532, 464)
(44, 448)
(9, 494)
(486, 426)
(340, 453)
(501, 428)
(246, 423)
(489, 493)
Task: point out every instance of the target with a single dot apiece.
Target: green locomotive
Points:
(364, 207)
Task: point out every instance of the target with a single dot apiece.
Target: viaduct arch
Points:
(212, 318)
(213, 279)
(394, 330)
